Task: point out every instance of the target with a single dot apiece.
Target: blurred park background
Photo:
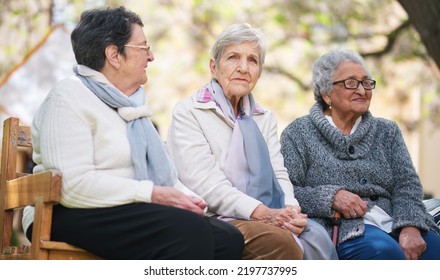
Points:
(400, 40)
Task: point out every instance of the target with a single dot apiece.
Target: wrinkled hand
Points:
(288, 218)
(198, 201)
(412, 242)
(350, 205)
(299, 221)
(171, 197)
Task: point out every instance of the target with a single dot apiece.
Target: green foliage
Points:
(297, 32)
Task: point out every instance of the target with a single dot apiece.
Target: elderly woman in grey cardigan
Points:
(343, 160)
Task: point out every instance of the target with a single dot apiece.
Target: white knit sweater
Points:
(74, 132)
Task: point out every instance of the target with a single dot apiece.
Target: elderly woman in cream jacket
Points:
(225, 147)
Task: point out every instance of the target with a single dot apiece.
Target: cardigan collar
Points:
(353, 146)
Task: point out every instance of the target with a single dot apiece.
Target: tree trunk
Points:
(424, 15)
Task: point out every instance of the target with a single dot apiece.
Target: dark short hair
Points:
(99, 28)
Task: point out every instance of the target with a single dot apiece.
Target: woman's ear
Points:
(212, 67)
(112, 55)
(327, 99)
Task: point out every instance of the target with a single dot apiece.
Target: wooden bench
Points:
(17, 190)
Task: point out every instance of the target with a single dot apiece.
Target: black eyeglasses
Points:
(354, 84)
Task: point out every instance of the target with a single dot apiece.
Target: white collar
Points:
(355, 126)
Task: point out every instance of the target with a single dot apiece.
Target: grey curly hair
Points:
(325, 66)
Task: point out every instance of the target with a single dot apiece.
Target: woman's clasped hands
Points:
(289, 218)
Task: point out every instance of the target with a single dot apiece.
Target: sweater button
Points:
(351, 149)
(363, 181)
(374, 197)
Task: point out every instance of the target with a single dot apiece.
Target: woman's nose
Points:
(150, 55)
(243, 65)
(360, 89)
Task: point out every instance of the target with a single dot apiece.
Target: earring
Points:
(330, 106)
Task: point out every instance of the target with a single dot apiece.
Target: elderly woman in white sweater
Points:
(120, 197)
(225, 147)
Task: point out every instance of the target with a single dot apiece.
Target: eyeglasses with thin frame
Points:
(354, 84)
(142, 47)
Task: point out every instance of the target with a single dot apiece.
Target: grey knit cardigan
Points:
(373, 163)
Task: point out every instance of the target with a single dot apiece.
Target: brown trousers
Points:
(267, 242)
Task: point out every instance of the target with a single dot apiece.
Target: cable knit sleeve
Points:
(408, 207)
(76, 133)
(316, 200)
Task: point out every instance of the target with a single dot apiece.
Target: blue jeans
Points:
(376, 244)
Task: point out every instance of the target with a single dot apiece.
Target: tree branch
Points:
(391, 40)
(283, 72)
